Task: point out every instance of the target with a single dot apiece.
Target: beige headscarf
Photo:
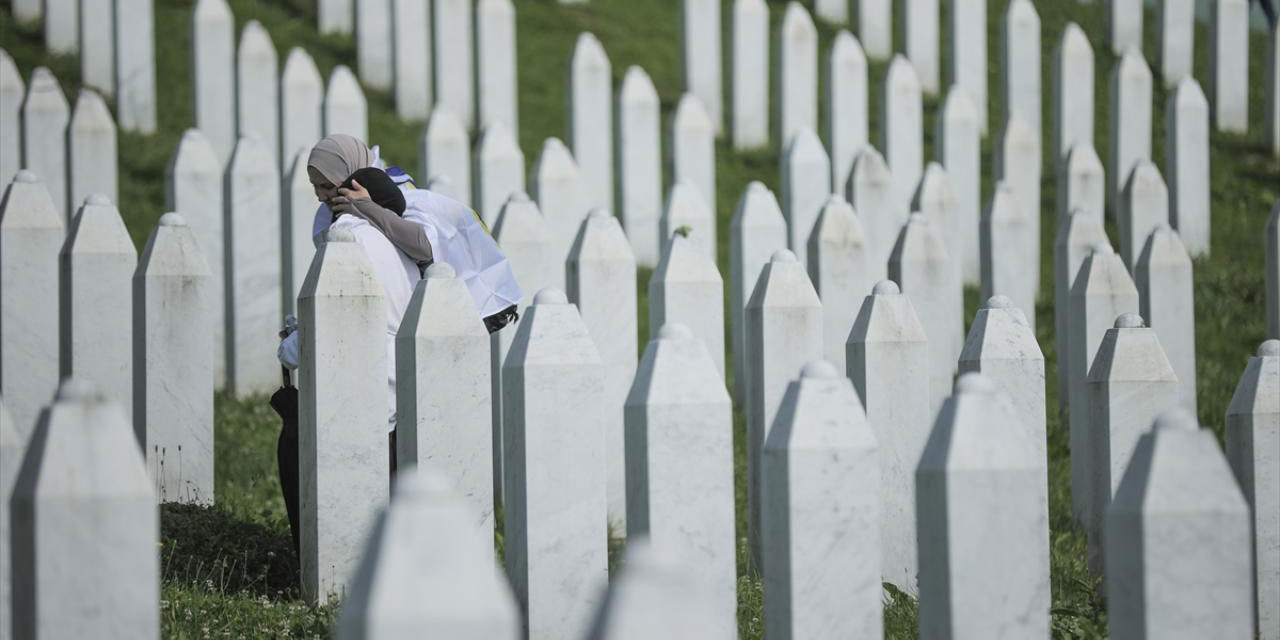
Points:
(338, 156)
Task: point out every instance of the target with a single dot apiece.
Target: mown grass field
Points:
(228, 572)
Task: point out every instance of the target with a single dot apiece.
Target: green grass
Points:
(227, 570)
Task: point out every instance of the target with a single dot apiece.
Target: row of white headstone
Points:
(115, 40)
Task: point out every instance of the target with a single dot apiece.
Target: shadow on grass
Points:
(210, 547)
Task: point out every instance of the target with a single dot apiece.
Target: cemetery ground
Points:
(228, 570)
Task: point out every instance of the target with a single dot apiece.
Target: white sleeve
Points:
(323, 219)
(290, 352)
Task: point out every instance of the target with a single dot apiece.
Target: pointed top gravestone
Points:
(686, 288)
(797, 80)
(91, 150)
(1077, 234)
(1006, 238)
(875, 25)
(700, 49)
(918, 22)
(499, 170)
(640, 164)
(1178, 539)
(693, 152)
(1017, 162)
(452, 55)
(755, 233)
(871, 192)
(1163, 275)
(1082, 183)
(902, 127)
(1130, 123)
(838, 255)
(257, 88)
(31, 234)
(1175, 37)
(446, 151)
(924, 269)
(655, 595)
(1073, 90)
(135, 65)
(935, 198)
(1020, 68)
(846, 122)
(82, 499)
(959, 152)
(13, 444)
(983, 519)
(1002, 346)
(496, 95)
(806, 178)
(750, 83)
(1229, 64)
(424, 570)
(686, 209)
(556, 185)
(302, 96)
(1144, 206)
(821, 518)
(12, 90)
(1187, 164)
(45, 115)
(213, 51)
(591, 119)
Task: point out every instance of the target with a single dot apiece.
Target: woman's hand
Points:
(356, 191)
(342, 203)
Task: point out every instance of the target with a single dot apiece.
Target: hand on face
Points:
(356, 191)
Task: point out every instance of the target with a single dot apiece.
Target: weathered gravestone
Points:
(902, 128)
(61, 26)
(920, 37)
(345, 110)
(983, 514)
(1176, 39)
(554, 500)
(557, 187)
(522, 235)
(687, 212)
(445, 150)
(1187, 164)
(452, 55)
(967, 53)
(1006, 256)
(91, 150)
(97, 45)
(173, 376)
(334, 16)
(1081, 183)
(838, 255)
(298, 224)
(679, 464)
(871, 192)
(846, 122)
(1077, 234)
(136, 66)
(1017, 163)
(797, 82)
(1143, 206)
(254, 293)
(95, 271)
(924, 269)
(601, 274)
(1178, 540)
(411, 56)
(806, 179)
(783, 332)
(193, 185)
(875, 28)
(13, 444)
(693, 157)
(640, 164)
(342, 428)
(888, 361)
(1130, 124)
(1020, 64)
(686, 288)
(1252, 426)
(1130, 383)
(755, 233)
(1166, 299)
(374, 42)
(257, 90)
(1101, 291)
(499, 170)
(213, 80)
(31, 234)
(821, 521)
(1073, 91)
(45, 115)
(85, 560)
(1124, 25)
(426, 571)
(590, 116)
(1229, 65)
(443, 389)
(655, 595)
(959, 150)
(303, 98)
(936, 200)
(12, 91)
(1002, 346)
(832, 11)
(496, 95)
(750, 110)
(700, 54)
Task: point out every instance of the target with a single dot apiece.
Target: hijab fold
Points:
(338, 156)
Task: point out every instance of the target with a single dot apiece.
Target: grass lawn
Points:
(227, 570)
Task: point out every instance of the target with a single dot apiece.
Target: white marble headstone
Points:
(302, 97)
(693, 155)
(557, 186)
(97, 45)
(1006, 235)
(686, 288)
(1229, 65)
(12, 91)
(257, 89)
(590, 113)
(451, 37)
(1020, 64)
(13, 444)
(920, 40)
(91, 150)
(838, 255)
(496, 94)
(967, 53)
(845, 124)
(1124, 25)
(750, 111)
(875, 28)
(499, 170)
(1166, 298)
(1017, 163)
(926, 273)
(1076, 236)
(345, 109)
(1130, 122)
(45, 116)
(1073, 91)
(700, 54)
(1187, 164)
(411, 54)
(755, 233)
(871, 192)
(1175, 36)
(374, 42)
(1081, 183)
(136, 66)
(446, 151)
(797, 85)
(685, 211)
(902, 127)
(1143, 206)
(806, 178)
(959, 150)
(213, 71)
(640, 164)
